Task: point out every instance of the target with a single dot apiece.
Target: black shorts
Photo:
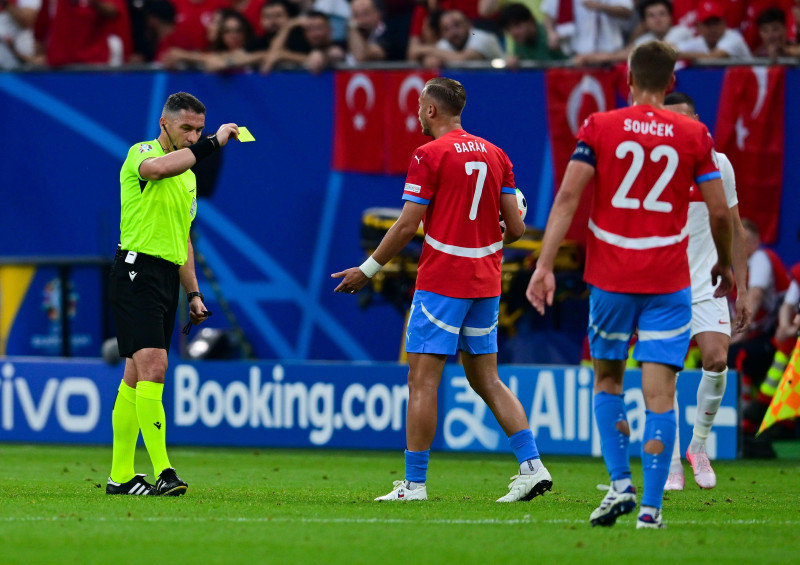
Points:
(144, 298)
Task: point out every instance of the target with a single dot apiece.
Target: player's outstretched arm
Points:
(398, 236)
(739, 261)
(719, 218)
(541, 287)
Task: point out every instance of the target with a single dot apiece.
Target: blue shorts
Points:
(663, 323)
(441, 325)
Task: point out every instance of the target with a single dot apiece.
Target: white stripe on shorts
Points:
(472, 332)
(436, 322)
(471, 252)
(618, 336)
(648, 335)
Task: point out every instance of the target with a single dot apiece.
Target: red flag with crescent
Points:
(358, 121)
(750, 132)
(572, 95)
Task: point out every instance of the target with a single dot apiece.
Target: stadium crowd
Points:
(263, 35)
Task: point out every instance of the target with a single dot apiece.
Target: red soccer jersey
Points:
(646, 161)
(460, 177)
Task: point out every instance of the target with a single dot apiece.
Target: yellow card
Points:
(245, 135)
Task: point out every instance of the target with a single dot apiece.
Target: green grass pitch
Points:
(315, 506)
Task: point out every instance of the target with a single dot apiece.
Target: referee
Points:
(158, 192)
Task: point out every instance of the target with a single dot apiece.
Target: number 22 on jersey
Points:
(651, 201)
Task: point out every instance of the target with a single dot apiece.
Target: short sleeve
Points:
(139, 153)
(728, 180)
(586, 133)
(508, 174)
(420, 184)
(759, 269)
(706, 168)
(792, 296)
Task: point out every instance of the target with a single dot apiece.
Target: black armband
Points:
(191, 295)
(204, 147)
(585, 154)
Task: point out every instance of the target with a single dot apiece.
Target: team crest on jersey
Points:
(145, 147)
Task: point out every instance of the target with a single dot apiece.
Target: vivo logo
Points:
(54, 398)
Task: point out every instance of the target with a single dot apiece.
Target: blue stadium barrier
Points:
(329, 405)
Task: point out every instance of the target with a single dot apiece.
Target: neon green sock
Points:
(153, 423)
(125, 424)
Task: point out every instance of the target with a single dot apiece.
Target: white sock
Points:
(709, 397)
(648, 510)
(411, 485)
(530, 467)
(675, 465)
(621, 484)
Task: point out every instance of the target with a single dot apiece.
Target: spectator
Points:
(492, 8)
(16, 32)
(774, 41)
(424, 29)
(715, 40)
(318, 51)
(232, 35)
(656, 15)
(153, 26)
(594, 26)
(192, 21)
(367, 36)
(526, 38)
(83, 32)
(250, 9)
(459, 42)
(752, 353)
(339, 13)
(275, 15)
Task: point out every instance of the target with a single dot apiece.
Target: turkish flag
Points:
(358, 128)
(572, 95)
(750, 131)
(403, 133)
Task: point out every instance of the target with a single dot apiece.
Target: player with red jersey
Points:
(644, 160)
(456, 185)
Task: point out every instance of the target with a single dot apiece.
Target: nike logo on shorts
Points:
(723, 323)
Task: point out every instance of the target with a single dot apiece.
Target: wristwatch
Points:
(191, 295)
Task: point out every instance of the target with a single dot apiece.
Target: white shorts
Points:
(711, 315)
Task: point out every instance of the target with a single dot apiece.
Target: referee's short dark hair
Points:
(514, 13)
(182, 101)
(645, 4)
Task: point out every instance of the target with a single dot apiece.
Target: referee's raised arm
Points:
(178, 161)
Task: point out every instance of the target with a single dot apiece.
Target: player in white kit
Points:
(711, 323)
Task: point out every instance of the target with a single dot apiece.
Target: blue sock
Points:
(523, 445)
(655, 468)
(608, 410)
(417, 465)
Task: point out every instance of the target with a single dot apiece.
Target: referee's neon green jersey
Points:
(156, 214)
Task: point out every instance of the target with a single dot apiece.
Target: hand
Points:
(196, 309)
(743, 314)
(225, 132)
(592, 5)
(725, 277)
(541, 289)
(354, 280)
